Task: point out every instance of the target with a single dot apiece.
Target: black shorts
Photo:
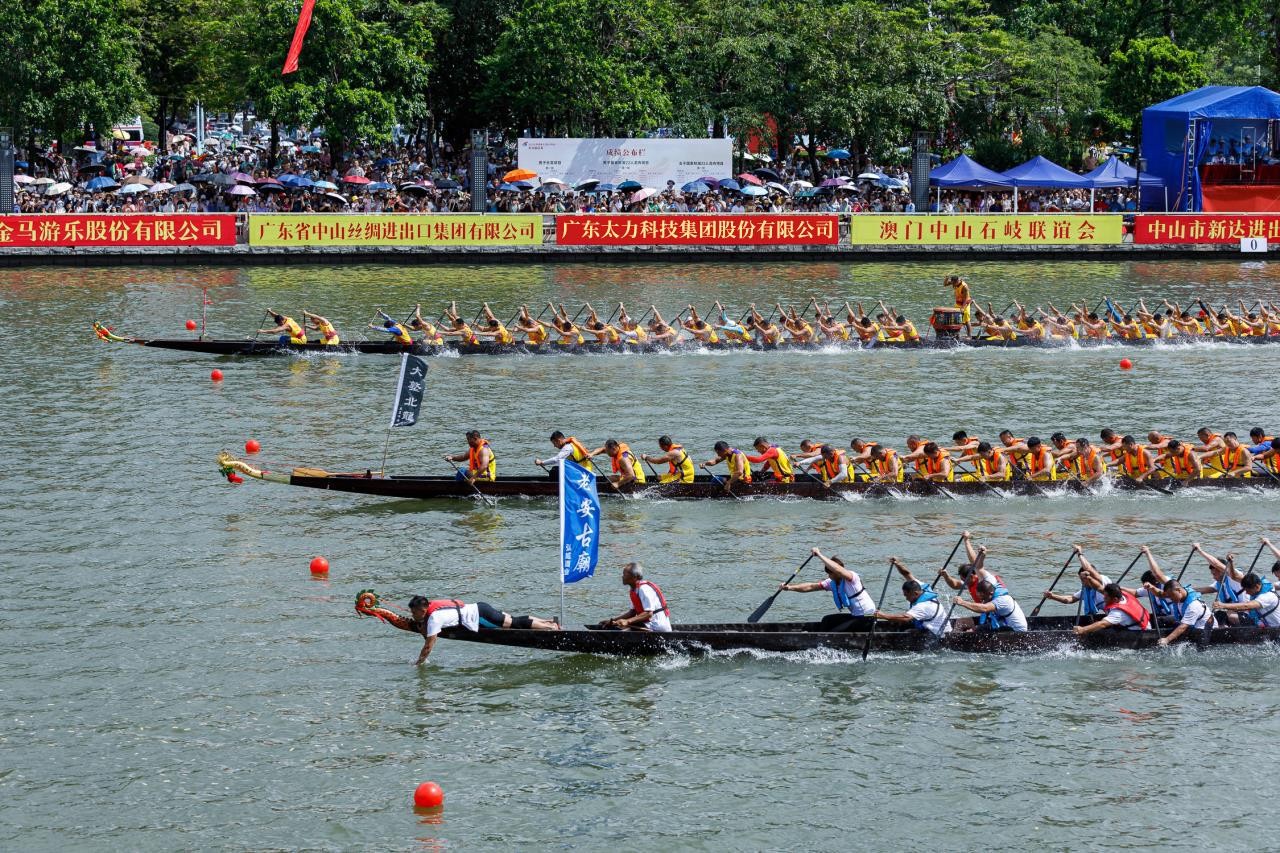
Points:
(490, 616)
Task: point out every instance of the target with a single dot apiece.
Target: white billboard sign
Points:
(652, 162)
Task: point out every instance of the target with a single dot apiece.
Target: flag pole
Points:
(560, 557)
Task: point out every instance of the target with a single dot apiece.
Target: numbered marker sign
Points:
(1253, 244)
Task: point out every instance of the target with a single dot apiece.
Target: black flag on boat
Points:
(409, 391)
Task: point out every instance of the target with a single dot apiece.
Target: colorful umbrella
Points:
(520, 175)
(241, 189)
(751, 179)
(355, 179)
(642, 194)
(838, 154)
(161, 187)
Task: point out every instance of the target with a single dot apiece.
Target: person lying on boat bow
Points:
(735, 460)
(430, 617)
(626, 467)
(1092, 582)
(680, 466)
(399, 332)
(648, 611)
(925, 611)
(1121, 609)
(328, 332)
(997, 609)
(567, 447)
(286, 327)
(1261, 608)
(844, 584)
(482, 464)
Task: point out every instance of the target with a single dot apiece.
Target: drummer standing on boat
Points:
(844, 584)
(964, 300)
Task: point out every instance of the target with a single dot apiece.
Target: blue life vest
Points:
(1267, 586)
(1091, 601)
(1177, 611)
(993, 621)
(843, 601)
(926, 596)
(1166, 608)
(1229, 596)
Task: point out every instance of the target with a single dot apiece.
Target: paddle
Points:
(759, 612)
(1036, 610)
(1257, 555)
(719, 481)
(866, 647)
(978, 479)
(1185, 563)
(950, 556)
(841, 495)
(490, 502)
(1130, 567)
(1143, 483)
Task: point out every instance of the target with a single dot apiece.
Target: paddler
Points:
(1136, 462)
(431, 616)
(462, 331)
(1121, 609)
(997, 609)
(1228, 582)
(770, 334)
(973, 570)
(935, 465)
(1210, 442)
(632, 332)
(417, 324)
(1038, 463)
(798, 328)
(482, 463)
(901, 330)
(1181, 462)
(701, 330)
(844, 584)
(399, 332)
(569, 334)
(735, 460)
(626, 467)
(775, 459)
(648, 611)
(832, 329)
(989, 463)
(834, 467)
(567, 447)
(534, 331)
(328, 332)
(963, 299)
(605, 332)
(1088, 464)
(809, 455)
(732, 331)
(494, 328)
(860, 456)
(925, 611)
(1092, 583)
(1233, 460)
(1189, 609)
(661, 332)
(884, 465)
(680, 466)
(286, 327)
(1261, 607)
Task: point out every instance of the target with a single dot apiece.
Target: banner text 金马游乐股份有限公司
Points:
(649, 162)
(997, 229)
(123, 229)
(1191, 228)
(395, 229)
(697, 229)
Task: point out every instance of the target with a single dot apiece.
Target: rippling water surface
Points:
(172, 678)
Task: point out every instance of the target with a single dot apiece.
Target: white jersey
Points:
(1196, 614)
(659, 619)
(1010, 613)
(932, 615)
(1270, 609)
(1117, 617)
(447, 617)
(860, 603)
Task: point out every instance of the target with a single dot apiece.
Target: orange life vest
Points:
(1135, 462)
(1132, 608)
(1183, 464)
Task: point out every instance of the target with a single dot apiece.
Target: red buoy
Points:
(319, 566)
(215, 375)
(252, 446)
(428, 795)
(191, 325)
(1126, 364)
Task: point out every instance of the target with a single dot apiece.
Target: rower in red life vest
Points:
(648, 611)
(430, 617)
(973, 571)
(1121, 609)
(844, 584)
(482, 463)
(777, 464)
(569, 448)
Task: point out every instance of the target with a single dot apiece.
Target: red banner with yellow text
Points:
(106, 229)
(1178, 229)
(697, 229)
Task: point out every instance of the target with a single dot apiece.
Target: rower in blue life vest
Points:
(926, 611)
(1122, 610)
(1262, 607)
(430, 617)
(1228, 587)
(996, 609)
(1091, 583)
(1189, 609)
(648, 611)
(1275, 567)
(844, 584)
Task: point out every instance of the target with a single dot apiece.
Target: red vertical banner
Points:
(299, 33)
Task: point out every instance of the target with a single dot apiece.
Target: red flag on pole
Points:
(299, 33)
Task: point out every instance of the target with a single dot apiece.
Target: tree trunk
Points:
(162, 118)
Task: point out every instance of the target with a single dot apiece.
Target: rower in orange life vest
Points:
(1182, 463)
(626, 467)
(462, 331)
(648, 611)
(915, 454)
(569, 334)
(844, 584)
(1064, 452)
(735, 460)
(989, 464)
(809, 455)
(1136, 462)
(926, 612)
(1265, 453)
(1038, 462)
(1087, 464)
(568, 447)
(834, 466)
(1121, 609)
(534, 331)
(482, 464)
(1111, 446)
(778, 464)
(604, 332)
(398, 331)
(431, 616)
(860, 457)
(680, 466)
(731, 330)
(286, 327)
(1233, 459)
(935, 465)
(884, 464)
(328, 332)
(417, 324)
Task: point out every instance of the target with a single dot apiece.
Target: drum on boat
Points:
(947, 322)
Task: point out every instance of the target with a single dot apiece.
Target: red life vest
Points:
(640, 608)
(975, 579)
(1132, 608)
(442, 603)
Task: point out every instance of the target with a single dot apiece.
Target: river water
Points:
(171, 677)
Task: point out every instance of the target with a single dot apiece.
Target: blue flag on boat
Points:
(579, 522)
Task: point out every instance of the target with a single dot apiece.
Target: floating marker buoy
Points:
(428, 795)
(191, 325)
(215, 375)
(319, 566)
(252, 446)
(1126, 364)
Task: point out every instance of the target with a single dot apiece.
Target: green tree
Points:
(1151, 70)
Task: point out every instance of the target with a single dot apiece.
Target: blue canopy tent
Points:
(1116, 173)
(1042, 172)
(964, 173)
(1177, 134)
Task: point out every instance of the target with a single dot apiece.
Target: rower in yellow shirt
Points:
(328, 333)
(286, 327)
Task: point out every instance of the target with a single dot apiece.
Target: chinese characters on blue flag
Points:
(409, 391)
(579, 522)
